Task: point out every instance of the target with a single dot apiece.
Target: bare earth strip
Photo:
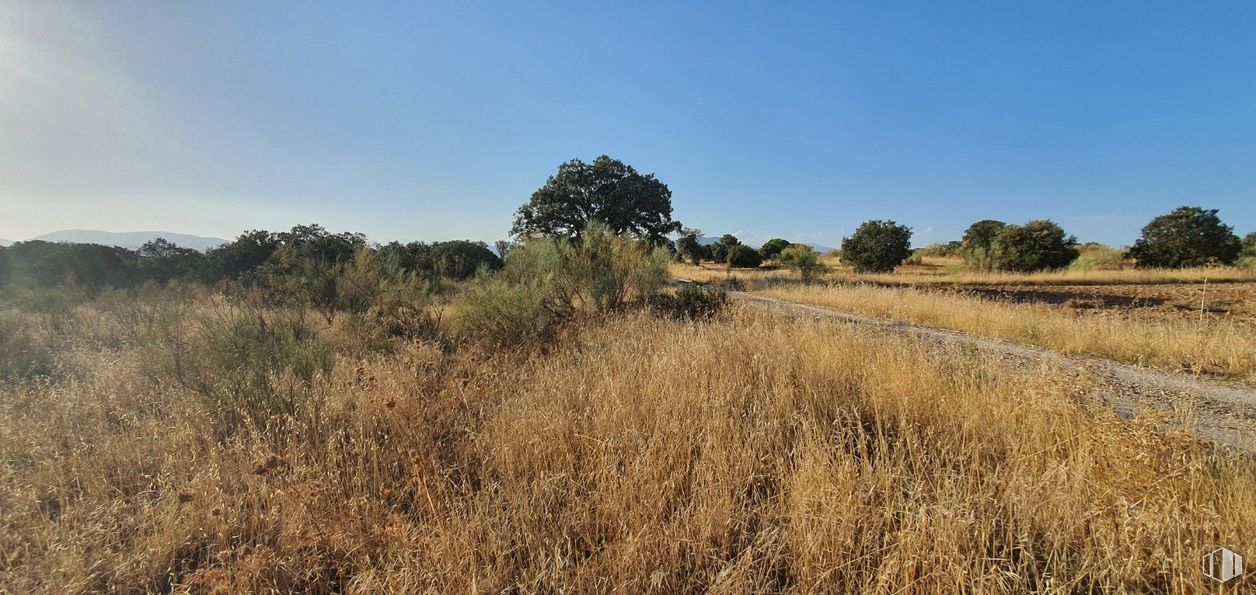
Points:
(1219, 412)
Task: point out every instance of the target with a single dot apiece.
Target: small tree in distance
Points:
(743, 257)
(1247, 256)
(1035, 246)
(877, 246)
(719, 250)
(689, 247)
(1186, 237)
(772, 248)
(977, 246)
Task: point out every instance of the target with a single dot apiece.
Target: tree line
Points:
(255, 258)
(607, 192)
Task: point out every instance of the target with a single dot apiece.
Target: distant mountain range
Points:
(129, 239)
(708, 240)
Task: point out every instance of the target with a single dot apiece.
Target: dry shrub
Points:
(253, 365)
(26, 349)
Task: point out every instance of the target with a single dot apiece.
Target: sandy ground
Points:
(1216, 411)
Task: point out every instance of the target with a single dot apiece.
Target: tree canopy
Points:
(976, 248)
(772, 248)
(877, 246)
(1035, 246)
(1186, 237)
(608, 191)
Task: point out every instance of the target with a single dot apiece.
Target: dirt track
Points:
(1219, 412)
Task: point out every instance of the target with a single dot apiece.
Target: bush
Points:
(1035, 246)
(743, 257)
(25, 352)
(551, 279)
(404, 307)
(801, 259)
(497, 313)
(460, 259)
(254, 366)
(1094, 256)
(939, 249)
(719, 250)
(772, 248)
(1186, 237)
(877, 246)
(690, 302)
(690, 248)
(977, 247)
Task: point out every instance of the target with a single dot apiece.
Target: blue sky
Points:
(800, 120)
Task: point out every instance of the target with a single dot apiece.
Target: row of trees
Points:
(303, 255)
(609, 193)
(1188, 236)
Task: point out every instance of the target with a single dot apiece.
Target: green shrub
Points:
(1095, 256)
(940, 249)
(497, 313)
(877, 246)
(690, 302)
(254, 366)
(1249, 246)
(805, 261)
(742, 256)
(548, 280)
(977, 247)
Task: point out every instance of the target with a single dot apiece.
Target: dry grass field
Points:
(1154, 318)
(636, 454)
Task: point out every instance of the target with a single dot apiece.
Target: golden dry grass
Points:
(943, 271)
(1216, 346)
(638, 455)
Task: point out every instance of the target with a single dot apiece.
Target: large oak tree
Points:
(606, 190)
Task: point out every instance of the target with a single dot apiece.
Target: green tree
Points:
(1035, 246)
(877, 246)
(606, 190)
(976, 248)
(772, 248)
(1186, 237)
(719, 250)
(805, 261)
(690, 247)
(1249, 246)
(163, 260)
(243, 255)
(743, 257)
(460, 259)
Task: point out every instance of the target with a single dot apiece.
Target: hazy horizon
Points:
(799, 121)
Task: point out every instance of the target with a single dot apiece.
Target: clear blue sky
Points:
(436, 120)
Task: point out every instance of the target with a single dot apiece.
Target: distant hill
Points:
(4, 242)
(129, 239)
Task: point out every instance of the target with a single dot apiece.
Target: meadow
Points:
(634, 452)
(1196, 321)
